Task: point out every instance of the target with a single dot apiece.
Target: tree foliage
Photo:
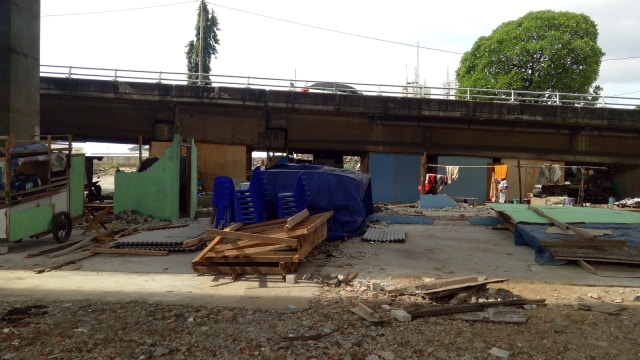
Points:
(209, 50)
(543, 51)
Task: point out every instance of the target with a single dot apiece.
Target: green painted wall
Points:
(76, 185)
(153, 192)
(25, 223)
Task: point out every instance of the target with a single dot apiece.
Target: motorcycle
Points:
(94, 192)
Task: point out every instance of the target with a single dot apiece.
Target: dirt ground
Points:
(584, 317)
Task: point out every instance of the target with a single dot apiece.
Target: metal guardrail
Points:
(406, 90)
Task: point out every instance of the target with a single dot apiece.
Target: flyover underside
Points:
(305, 123)
(307, 133)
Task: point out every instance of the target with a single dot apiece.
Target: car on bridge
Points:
(331, 87)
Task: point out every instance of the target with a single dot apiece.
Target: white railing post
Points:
(557, 98)
(513, 96)
(115, 78)
(468, 94)
(70, 67)
(160, 77)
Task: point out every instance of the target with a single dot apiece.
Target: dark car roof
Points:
(339, 87)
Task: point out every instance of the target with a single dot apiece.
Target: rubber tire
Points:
(61, 227)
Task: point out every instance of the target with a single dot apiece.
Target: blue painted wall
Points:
(394, 177)
(472, 182)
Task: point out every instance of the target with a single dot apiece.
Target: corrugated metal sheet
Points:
(384, 235)
(168, 239)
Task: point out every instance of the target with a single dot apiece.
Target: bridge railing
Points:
(405, 90)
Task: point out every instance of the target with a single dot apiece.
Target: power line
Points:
(623, 58)
(337, 31)
(120, 10)
(629, 93)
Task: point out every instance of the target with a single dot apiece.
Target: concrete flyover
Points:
(282, 120)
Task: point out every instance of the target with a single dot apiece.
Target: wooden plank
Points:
(310, 241)
(256, 237)
(438, 283)
(632, 260)
(267, 256)
(101, 250)
(260, 270)
(236, 245)
(569, 242)
(461, 286)
(295, 219)
(254, 250)
(310, 224)
(462, 308)
(586, 266)
(215, 242)
(579, 232)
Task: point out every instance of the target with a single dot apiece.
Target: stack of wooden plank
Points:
(271, 247)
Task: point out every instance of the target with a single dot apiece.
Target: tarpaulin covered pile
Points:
(346, 192)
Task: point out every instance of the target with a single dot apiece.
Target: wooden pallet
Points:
(271, 247)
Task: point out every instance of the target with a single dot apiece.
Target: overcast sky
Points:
(347, 41)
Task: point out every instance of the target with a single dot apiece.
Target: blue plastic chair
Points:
(291, 203)
(223, 202)
(249, 204)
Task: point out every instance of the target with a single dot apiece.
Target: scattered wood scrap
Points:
(496, 314)
(435, 310)
(271, 247)
(366, 313)
(605, 308)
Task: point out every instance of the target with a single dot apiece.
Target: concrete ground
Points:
(443, 249)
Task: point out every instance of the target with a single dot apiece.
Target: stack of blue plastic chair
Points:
(292, 203)
(250, 203)
(223, 194)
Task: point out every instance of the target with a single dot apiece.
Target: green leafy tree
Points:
(210, 36)
(543, 51)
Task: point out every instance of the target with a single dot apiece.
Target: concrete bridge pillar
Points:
(19, 68)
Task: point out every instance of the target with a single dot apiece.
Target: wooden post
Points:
(520, 183)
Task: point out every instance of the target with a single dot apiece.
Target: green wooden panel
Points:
(76, 186)
(28, 222)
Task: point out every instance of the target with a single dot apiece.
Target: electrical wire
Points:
(337, 31)
(120, 10)
(260, 15)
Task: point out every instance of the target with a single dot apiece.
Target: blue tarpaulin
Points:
(347, 192)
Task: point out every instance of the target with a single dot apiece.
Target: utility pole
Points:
(201, 41)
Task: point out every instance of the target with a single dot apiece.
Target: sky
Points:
(353, 41)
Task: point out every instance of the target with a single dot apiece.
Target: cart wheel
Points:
(61, 227)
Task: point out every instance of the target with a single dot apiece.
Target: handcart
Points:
(41, 188)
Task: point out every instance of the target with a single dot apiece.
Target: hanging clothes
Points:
(452, 172)
(550, 173)
(433, 183)
(501, 171)
(493, 188)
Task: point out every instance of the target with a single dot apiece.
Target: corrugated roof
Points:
(384, 235)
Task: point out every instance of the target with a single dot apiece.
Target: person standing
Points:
(502, 190)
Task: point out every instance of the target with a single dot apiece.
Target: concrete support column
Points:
(19, 68)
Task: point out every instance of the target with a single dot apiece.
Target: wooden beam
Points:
(292, 221)
(100, 250)
(250, 251)
(256, 237)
